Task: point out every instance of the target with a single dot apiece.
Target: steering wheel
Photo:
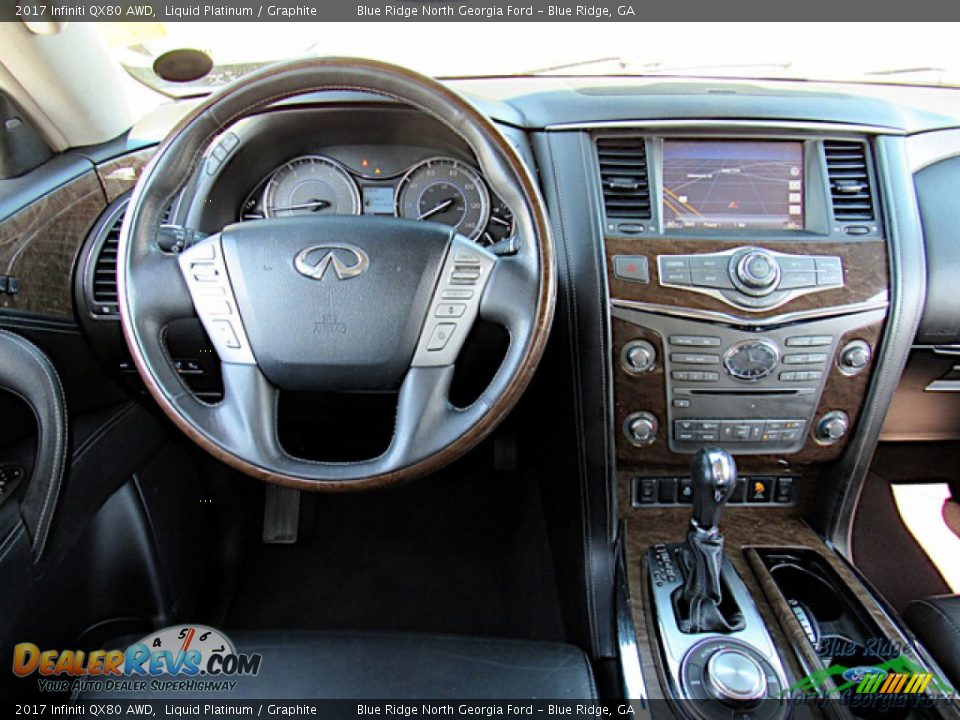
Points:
(335, 303)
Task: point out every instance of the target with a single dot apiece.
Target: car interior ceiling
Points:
(672, 438)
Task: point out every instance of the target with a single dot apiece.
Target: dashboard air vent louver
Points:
(104, 277)
(849, 180)
(623, 174)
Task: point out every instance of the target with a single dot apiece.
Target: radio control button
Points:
(794, 280)
(695, 358)
(797, 264)
(805, 359)
(809, 341)
(694, 341)
(675, 277)
(709, 262)
(711, 279)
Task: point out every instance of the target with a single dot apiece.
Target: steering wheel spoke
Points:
(510, 296)
(246, 420)
(162, 295)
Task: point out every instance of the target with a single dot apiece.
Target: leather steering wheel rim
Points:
(519, 291)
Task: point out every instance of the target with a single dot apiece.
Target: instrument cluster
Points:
(437, 188)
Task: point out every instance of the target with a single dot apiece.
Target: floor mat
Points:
(454, 553)
(921, 507)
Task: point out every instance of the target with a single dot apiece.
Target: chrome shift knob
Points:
(714, 475)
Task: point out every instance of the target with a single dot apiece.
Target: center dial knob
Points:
(758, 271)
(735, 678)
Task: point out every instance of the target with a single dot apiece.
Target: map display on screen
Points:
(732, 184)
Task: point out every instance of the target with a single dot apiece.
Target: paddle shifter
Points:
(699, 603)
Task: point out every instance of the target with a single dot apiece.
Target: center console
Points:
(748, 290)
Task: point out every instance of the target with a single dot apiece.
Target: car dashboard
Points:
(763, 267)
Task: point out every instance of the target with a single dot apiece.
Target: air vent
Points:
(101, 276)
(849, 180)
(104, 280)
(623, 174)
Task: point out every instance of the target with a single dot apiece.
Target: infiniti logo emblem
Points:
(347, 261)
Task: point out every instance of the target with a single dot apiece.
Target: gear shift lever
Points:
(714, 478)
(699, 600)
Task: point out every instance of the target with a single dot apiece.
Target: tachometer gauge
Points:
(311, 184)
(499, 226)
(447, 191)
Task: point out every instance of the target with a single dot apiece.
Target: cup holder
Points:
(808, 588)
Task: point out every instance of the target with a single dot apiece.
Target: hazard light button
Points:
(633, 268)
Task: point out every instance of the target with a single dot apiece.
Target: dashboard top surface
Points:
(534, 103)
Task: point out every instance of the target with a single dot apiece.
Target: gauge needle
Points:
(311, 205)
(438, 209)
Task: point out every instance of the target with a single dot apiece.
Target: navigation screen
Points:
(732, 184)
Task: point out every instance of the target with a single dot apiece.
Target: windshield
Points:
(920, 54)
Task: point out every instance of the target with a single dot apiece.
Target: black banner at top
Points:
(472, 11)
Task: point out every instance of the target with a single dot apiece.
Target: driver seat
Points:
(345, 665)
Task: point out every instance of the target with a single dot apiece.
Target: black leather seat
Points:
(936, 622)
(338, 665)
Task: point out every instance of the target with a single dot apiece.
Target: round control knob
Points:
(854, 357)
(641, 428)
(832, 427)
(735, 678)
(759, 272)
(638, 356)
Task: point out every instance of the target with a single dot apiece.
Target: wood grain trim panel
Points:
(121, 174)
(39, 246)
(864, 267)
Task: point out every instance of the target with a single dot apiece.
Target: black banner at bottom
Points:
(892, 707)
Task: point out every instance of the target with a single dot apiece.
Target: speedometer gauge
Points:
(311, 184)
(447, 191)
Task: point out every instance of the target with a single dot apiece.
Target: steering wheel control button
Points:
(464, 277)
(465, 264)
(205, 272)
(441, 336)
(203, 269)
(215, 307)
(224, 331)
(451, 310)
(456, 294)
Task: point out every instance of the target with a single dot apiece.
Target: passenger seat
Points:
(936, 622)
